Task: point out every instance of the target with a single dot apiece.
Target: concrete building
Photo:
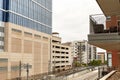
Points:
(82, 51)
(25, 36)
(107, 36)
(101, 56)
(60, 54)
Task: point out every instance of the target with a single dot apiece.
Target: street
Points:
(88, 76)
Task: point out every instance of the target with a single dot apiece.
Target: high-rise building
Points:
(106, 35)
(82, 51)
(25, 36)
(34, 14)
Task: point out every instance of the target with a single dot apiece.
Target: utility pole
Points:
(27, 70)
(20, 70)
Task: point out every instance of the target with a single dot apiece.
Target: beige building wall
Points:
(60, 55)
(101, 56)
(28, 46)
(3, 70)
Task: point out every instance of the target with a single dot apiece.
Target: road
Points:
(88, 76)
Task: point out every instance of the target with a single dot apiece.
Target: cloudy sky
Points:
(71, 18)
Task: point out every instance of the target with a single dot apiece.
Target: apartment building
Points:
(82, 51)
(25, 36)
(106, 35)
(60, 54)
(101, 56)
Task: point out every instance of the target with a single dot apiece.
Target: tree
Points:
(95, 63)
(76, 64)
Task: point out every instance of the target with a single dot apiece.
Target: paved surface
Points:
(88, 76)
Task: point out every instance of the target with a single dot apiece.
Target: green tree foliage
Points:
(105, 62)
(95, 63)
(76, 64)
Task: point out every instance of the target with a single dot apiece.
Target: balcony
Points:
(108, 39)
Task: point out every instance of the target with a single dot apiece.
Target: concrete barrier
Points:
(108, 75)
(70, 77)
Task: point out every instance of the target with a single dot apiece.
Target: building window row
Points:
(36, 36)
(59, 47)
(44, 3)
(16, 30)
(58, 52)
(3, 68)
(60, 62)
(1, 34)
(60, 57)
(1, 29)
(1, 43)
(29, 15)
(1, 39)
(31, 10)
(29, 23)
(27, 33)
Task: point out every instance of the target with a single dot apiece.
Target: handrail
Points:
(108, 75)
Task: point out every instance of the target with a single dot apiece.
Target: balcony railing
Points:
(99, 28)
(98, 25)
(100, 36)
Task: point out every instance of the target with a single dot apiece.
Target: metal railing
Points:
(98, 25)
(61, 75)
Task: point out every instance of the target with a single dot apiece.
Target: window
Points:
(3, 60)
(3, 68)
(37, 36)
(1, 3)
(28, 33)
(15, 68)
(119, 23)
(1, 39)
(67, 57)
(31, 14)
(1, 29)
(67, 53)
(108, 18)
(15, 30)
(1, 14)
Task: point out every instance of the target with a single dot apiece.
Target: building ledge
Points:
(108, 41)
(108, 75)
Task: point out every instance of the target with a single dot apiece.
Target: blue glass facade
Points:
(34, 14)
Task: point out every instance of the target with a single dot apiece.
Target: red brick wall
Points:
(112, 22)
(115, 59)
(108, 24)
(115, 56)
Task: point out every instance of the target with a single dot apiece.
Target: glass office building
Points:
(34, 14)
(25, 35)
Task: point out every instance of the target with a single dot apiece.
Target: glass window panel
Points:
(1, 14)
(1, 3)
(33, 11)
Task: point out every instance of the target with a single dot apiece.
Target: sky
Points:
(71, 18)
